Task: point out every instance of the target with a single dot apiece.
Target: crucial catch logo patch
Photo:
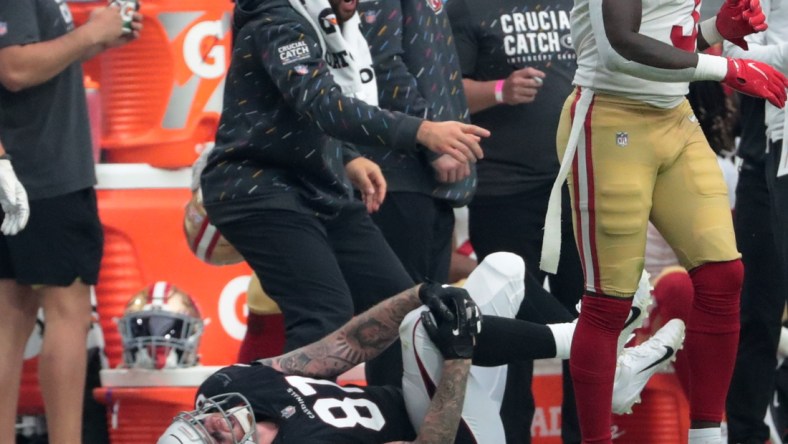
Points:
(293, 52)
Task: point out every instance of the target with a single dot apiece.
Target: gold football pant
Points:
(636, 162)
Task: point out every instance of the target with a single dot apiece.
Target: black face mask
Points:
(157, 326)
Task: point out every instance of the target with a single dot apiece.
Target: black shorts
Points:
(63, 241)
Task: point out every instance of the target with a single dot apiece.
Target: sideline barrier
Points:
(142, 210)
(662, 417)
(141, 403)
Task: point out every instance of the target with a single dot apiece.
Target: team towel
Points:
(350, 60)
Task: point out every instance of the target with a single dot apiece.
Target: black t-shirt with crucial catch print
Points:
(45, 127)
(418, 72)
(494, 38)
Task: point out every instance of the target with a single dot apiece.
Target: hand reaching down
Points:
(457, 139)
(366, 176)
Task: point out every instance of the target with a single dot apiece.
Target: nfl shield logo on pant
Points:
(622, 139)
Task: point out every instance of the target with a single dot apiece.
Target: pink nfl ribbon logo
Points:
(435, 5)
(622, 139)
(370, 16)
(301, 70)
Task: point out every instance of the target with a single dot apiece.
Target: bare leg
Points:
(17, 319)
(62, 364)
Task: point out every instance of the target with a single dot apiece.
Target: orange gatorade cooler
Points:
(662, 416)
(162, 94)
(142, 211)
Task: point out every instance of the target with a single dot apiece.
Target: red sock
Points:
(712, 336)
(673, 294)
(265, 337)
(593, 363)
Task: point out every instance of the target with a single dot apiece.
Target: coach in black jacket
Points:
(418, 73)
(277, 187)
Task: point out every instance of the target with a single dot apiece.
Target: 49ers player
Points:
(633, 152)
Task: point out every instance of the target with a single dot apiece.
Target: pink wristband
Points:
(499, 91)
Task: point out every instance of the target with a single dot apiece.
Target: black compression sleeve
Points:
(503, 341)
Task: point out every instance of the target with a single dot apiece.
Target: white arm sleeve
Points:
(775, 55)
(708, 29)
(615, 62)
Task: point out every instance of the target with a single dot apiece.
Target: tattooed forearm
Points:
(374, 330)
(360, 339)
(443, 417)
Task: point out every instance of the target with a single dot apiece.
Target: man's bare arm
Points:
(622, 26)
(443, 417)
(359, 340)
(24, 66)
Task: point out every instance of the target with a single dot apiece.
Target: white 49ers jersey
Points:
(673, 22)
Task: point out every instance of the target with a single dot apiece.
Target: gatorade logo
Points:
(435, 5)
(201, 40)
(127, 9)
(232, 295)
(210, 64)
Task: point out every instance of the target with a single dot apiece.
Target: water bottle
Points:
(94, 113)
(127, 9)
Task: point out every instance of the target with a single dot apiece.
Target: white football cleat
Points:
(636, 365)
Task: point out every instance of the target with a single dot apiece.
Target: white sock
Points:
(562, 333)
(705, 436)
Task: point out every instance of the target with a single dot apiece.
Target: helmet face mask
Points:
(198, 426)
(161, 328)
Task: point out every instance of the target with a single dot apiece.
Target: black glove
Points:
(453, 335)
(437, 298)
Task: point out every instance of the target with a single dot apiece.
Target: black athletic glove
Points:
(453, 335)
(436, 297)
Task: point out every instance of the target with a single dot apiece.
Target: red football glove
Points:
(738, 18)
(757, 79)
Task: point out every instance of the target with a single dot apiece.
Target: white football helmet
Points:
(230, 412)
(205, 241)
(161, 327)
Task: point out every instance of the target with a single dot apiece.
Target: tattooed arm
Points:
(359, 340)
(443, 417)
